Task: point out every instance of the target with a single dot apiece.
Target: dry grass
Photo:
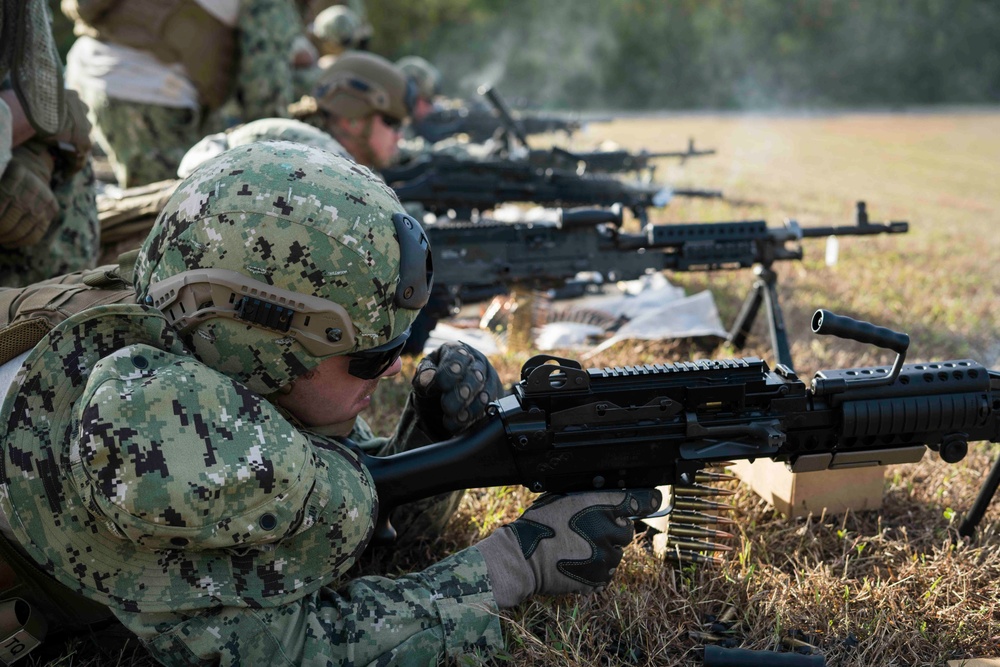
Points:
(892, 587)
(874, 588)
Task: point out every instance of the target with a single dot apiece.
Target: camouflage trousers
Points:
(72, 242)
(422, 519)
(144, 142)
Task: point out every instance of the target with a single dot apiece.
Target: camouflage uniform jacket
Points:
(447, 609)
(418, 619)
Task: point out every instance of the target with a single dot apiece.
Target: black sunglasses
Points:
(370, 364)
(390, 122)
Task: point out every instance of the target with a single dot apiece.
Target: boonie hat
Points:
(145, 480)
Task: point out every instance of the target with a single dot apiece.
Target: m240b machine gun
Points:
(449, 186)
(472, 257)
(611, 161)
(480, 123)
(566, 428)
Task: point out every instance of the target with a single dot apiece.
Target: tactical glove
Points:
(27, 204)
(564, 543)
(451, 389)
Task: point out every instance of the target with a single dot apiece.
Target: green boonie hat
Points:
(360, 84)
(264, 129)
(144, 480)
(426, 76)
(275, 255)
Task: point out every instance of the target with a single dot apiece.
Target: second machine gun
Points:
(452, 187)
(484, 257)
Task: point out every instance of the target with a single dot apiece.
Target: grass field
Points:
(871, 588)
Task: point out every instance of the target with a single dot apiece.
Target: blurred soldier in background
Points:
(335, 30)
(127, 215)
(152, 72)
(362, 100)
(345, 28)
(428, 81)
(48, 220)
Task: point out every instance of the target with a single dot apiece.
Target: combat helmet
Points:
(339, 25)
(262, 129)
(426, 76)
(273, 256)
(361, 84)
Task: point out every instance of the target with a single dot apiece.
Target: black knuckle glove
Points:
(452, 387)
(564, 543)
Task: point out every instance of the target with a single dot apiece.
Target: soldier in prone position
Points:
(186, 461)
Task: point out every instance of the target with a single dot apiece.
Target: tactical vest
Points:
(175, 31)
(28, 313)
(127, 216)
(30, 600)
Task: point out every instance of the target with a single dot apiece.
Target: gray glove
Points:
(564, 543)
(451, 389)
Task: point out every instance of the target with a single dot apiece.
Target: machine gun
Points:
(566, 428)
(480, 123)
(614, 161)
(472, 257)
(449, 186)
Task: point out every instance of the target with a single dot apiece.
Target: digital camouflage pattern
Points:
(145, 143)
(137, 518)
(264, 129)
(264, 81)
(293, 217)
(72, 242)
(150, 519)
(417, 619)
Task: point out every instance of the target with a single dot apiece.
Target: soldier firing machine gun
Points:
(483, 256)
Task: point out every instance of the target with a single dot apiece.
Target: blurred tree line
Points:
(719, 54)
(687, 54)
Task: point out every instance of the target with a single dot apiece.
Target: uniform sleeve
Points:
(264, 83)
(446, 610)
(6, 135)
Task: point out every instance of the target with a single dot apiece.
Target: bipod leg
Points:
(748, 313)
(776, 320)
(982, 502)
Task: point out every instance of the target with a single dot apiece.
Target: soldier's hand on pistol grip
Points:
(452, 387)
(568, 543)
(27, 204)
(72, 142)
